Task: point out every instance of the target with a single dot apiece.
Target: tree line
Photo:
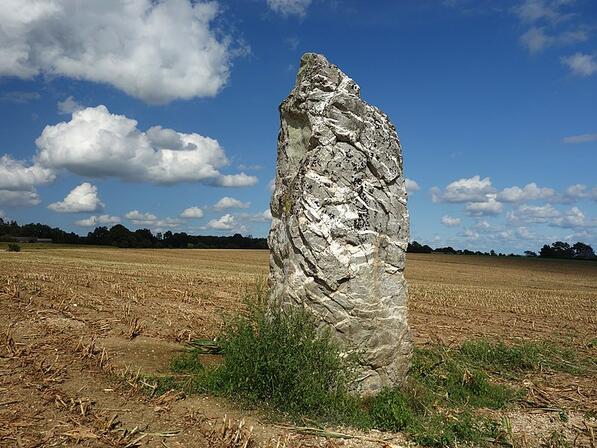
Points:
(558, 249)
(120, 236)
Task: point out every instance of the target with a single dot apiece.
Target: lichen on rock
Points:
(340, 222)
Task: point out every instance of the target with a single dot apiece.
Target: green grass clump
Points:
(13, 247)
(456, 382)
(525, 357)
(280, 358)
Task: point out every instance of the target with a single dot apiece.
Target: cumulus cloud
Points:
(82, 199)
(579, 191)
(16, 175)
(573, 219)
(228, 202)
(192, 213)
(235, 180)
(581, 64)
(225, 222)
(69, 106)
(411, 185)
(94, 221)
(582, 138)
(22, 198)
(264, 216)
(529, 192)
(138, 217)
(486, 208)
(155, 51)
(289, 7)
(152, 221)
(97, 143)
(473, 189)
(536, 214)
(450, 221)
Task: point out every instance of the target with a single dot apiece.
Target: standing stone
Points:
(340, 224)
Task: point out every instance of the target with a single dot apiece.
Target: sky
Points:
(164, 114)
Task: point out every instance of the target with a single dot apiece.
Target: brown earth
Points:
(81, 325)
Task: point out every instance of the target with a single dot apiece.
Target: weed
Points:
(13, 247)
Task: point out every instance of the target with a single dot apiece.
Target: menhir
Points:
(340, 222)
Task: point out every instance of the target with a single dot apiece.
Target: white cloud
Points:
(473, 189)
(290, 7)
(235, 180)
(573, 219)
(19, 198)
(533, 214)
(69, 106)
(541, 10)
(536, 39)
(15, 175)
(94, 221)
(138, 217)
(581, 64)
(271, 185)
(225, 222)
(152, 221)
(192, 213)
(97, 143)
(267, 214)
(579, 191)
(82, 199)
(155, 51)
(450, 221)
(529, 192)
(489, 207)
(411, 185)
(470, 234)
(482, 225)
(228, 202)
(264, 216)
(582, 138)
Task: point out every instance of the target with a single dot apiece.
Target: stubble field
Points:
(81, 326)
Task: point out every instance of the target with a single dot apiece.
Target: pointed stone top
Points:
(317, 71)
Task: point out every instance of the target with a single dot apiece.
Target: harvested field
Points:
(80, 325)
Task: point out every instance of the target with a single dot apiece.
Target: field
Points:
(81, 327)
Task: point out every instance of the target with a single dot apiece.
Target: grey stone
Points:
(340, 222)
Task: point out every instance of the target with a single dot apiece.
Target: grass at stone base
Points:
(280, 362)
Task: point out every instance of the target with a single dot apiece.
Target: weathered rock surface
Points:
(340, 223)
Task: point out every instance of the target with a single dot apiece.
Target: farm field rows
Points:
(81, 324)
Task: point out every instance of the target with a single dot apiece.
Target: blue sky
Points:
(164, 114)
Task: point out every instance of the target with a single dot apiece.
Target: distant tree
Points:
(561, 249)
(446, 250)
(582, 250)
(546, 251)
(492, 253)
(530, 253)
(416, 247)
